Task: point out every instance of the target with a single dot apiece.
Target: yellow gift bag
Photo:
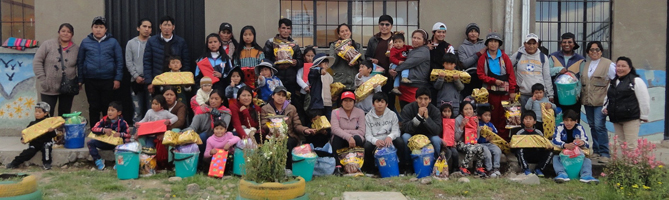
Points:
(171, 138)
(321, 123)
(548, 117)
(107, 139)
(189, 137)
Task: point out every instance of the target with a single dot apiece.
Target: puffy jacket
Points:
(418, 61)
(100, 60)
(155, 55)
(287, 76)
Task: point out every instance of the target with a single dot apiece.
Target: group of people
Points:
(230, 75)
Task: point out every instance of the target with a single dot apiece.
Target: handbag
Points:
(67, 86)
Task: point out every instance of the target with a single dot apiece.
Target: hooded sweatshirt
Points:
(215, 142)
(468, 54)
(380, 127)
(134, 57)
(530, 71)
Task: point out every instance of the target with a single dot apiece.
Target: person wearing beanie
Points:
(496, 72)
(42, 143)
(202, 95)
(469, 52)
(418, 61)
(438, 46)
(532, 68)
(564, 60)
(228, 41)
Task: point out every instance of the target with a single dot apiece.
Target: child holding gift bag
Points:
(42, 143)
(449, 92)
(113, 122)
(222, 139)
(466, 135)
(449, 149)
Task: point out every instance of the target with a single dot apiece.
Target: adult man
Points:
(469, 52)
(134, 61)
(421, 117)
(566, 60)
(377, 52)
(531, 67)
(286, 72)
(158, 49)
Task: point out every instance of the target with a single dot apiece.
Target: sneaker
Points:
(603, 159)
(11, 166)
(396, 91)
(589, 179)
(46, 166)
(481, 172)
(561, 178)
(527, 171)
(538, 173)
(405, 80)
(100, 164)
(464, 171)
(495, 173)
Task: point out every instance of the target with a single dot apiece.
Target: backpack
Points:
(542, 55)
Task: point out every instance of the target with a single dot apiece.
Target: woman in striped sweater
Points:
(248, 54)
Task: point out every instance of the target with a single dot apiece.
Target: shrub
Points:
(268, 162)
(636, 173)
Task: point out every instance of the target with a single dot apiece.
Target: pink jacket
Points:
(346, 127)
(219, 142)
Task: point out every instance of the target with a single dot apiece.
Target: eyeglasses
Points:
(595, 50)
(385, 24)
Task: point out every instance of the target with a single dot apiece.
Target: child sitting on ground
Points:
(570, 135)
(535, 155)
(42, 143)
(534, 103)
(267, 80)
(449, 92)
(364, 74)
(158, 111)
(202, 96)
(449, 150)
(398, 54)
(109, 124)
(470, 148)
(491, 151)
(222, 139)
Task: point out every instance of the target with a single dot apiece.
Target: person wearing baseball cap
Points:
(438, 46)
(564, 60)
(348, 123)
(469, 52)
(41, 143)
(228, 41)
(532, 67)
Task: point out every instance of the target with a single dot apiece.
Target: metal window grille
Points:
(17, 18)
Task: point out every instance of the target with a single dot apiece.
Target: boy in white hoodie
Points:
(382, 130)
(531, 67)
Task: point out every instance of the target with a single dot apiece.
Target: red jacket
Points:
(240, 118)
(397, 55)
(480, 70)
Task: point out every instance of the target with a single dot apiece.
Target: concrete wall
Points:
(263, 15)
(80, 13)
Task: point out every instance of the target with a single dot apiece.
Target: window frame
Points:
(23, 6)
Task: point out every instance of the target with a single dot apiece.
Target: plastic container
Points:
(572, 165)
(567, 93)
(127, 165)
(388, 163)
(238, 162)
(422, 164)
(185, 164)
(558, 116)
(304, 167)
(74, 135)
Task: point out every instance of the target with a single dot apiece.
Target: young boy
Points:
(398, 54)
(534, 103)
(536, 155)
(42, 143)
(320, 81)
(364, 74)
(382, 130)
(449, 92)
(569, 135)
(202, 95)
(175, 66)
(491, 151)
(100, 67)
(112, 124)
(267, 80)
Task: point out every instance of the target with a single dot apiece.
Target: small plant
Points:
(268, 162)
(636, 173)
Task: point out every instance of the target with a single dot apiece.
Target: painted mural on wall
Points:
(18, 96)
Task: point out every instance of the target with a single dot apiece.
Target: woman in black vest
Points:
(627, 103)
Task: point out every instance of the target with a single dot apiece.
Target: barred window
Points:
(17, 18)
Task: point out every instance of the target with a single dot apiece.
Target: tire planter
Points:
(283, 191)
(37, 195)
(27, 185)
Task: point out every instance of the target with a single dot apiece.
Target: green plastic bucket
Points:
(238, 162)
(127, 165)
(572, 165)
(185, 164)
(304, 167)
(567, 93)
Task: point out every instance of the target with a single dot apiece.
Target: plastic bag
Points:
(147, 165)
(305, 151)
(128, 147)
(246, 143)
(417, 142)
(572, 153)
(566, 78)
(512, 114)
(325, 163)
(440, 169)
(171, 138)
(283, 51)
(352, 159)
(188, 148)
(346, 50)
(189, 137)
(427, 149)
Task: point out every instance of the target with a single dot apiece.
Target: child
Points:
(471, 149)
(398, 54)
(320, 81)
(214, 63)
(267, 80)
(450, 152)
(382, 130)
(534, 103)
(491, 151)
(364, 74)
(42, 143)
(236, 82)
(248, 55)
(202, 95)
(541, 156)
(175, 66)
(302, 78)
(109, 124)
(569, 135)
(222, 139)
(449, 92)
(158, 112)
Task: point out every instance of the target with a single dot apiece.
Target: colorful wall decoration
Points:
(17, 90)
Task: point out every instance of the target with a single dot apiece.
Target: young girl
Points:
(214, 63)
(222, 139)
(248, 55)
(468, 144)
(158, 112)
(303, 78)
(449, 150)
(236, 82)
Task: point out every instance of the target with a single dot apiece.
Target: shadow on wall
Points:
(18, 95)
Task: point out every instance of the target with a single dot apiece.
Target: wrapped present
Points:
(283, 51)
(147, 165)
(258, 102)
(171, 138)
(336, 88)
(218, 161)
(346, 50)
(189, 137)
(486, 132)
(148, 128)
(320, 123)
(448, 132)
(418, 141)
(277, 125)
(109, 139)
(440, 169)
(41, 128)
(471, 130)
(464, 76)
(367, 87)
(530, 141)
(548, 117)
(352, 159)
(512, 114)
(480, 95)
(174, 78)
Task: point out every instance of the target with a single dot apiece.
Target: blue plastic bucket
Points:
(127, 165)
(572, 165)
(388, 164)
(304, 167)
(185, 164)
(567, 93)
(74, 135)
(422, 164)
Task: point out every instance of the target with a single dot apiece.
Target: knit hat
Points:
(569, 35)
(386, 18)
(225, 26)
(473, 26)
(44, 106)
(494, 36)
(439, 26)
(205, 80)
(99, 20)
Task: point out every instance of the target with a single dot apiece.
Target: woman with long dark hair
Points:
(244, 112)
(248, 54)
(214, 63)
(345, 71)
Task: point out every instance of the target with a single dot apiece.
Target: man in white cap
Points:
(531, 67)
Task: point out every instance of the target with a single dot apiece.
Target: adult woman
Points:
(244, 112)
(627, 103)
(596, 74)
(49, 69)
(418, 61)
(218, 66)
(344, 71)
(469, 52)
(203, 122)
(228, 42)
(348, 123)
(438, 46)
(175, 107)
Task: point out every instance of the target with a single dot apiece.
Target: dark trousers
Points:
(100, 93)
(391, 97)
(291, 144)
(28, 154)
(340, 143)
(369, 165)
(64, 103)
(94, 145)
(542, 157)
(475, 83)
(452, 158)
(318, 139)
(539, 126)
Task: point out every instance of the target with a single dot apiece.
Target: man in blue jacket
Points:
(100, 64)
(158, 49)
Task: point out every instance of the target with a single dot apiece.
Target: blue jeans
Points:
(600, 136)
(435, 140)
(141, 100)
(586, 169)
(492, 155)
(148, 141)
(403, 74)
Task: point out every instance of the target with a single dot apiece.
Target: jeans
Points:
(435, 140)
(148, 141)
(403, 74)
(94, 145)
(141, 100)
(64, 103)
(600, 136)
(586, 169)
(492, 154)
